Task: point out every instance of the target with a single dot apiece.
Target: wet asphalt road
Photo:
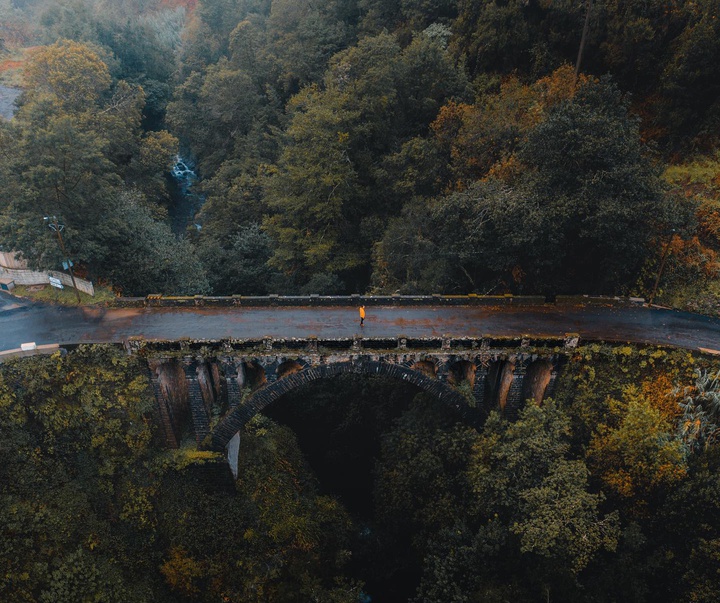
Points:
(22, 321)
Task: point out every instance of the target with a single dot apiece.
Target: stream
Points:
(185, 203)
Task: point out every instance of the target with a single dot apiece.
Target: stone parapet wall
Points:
(368, 300)
(344, 345)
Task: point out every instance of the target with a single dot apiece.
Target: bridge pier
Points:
(233, 455)
(235, 379)
(514, 400)
(196, 373)
(480, 385)
(171, 393)
(165, 411)
(442, 371)
(550, 389)
(503, 380)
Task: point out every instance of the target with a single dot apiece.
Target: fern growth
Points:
(698, 426)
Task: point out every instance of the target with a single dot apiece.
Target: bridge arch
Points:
(236, 419)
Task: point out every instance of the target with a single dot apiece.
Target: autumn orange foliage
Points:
(661, 393)
(709, 221)
(634, 453)
(9, 64)
(182, 572)
(482, 138)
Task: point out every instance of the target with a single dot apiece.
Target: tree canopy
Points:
(332, 126)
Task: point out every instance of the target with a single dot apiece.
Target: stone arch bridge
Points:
(209, 390)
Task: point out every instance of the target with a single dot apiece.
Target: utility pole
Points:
(55, 226)
(583, 38)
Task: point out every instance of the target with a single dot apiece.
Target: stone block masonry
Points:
(272, 301)
(472, 377)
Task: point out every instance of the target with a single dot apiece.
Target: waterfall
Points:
(185, 202)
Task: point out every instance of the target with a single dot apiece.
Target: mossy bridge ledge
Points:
(208, 391)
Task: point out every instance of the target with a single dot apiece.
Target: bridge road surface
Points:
(22, 321)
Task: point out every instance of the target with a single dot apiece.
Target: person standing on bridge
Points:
(361, 309)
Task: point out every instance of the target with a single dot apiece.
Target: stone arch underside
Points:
(236, 419)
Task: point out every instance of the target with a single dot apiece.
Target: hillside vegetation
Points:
(366, 145)
(355, 488)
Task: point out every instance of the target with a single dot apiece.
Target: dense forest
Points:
(351, 146)
(366, 146)
(358, 490)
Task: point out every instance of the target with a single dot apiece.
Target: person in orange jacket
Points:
(362, 315)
